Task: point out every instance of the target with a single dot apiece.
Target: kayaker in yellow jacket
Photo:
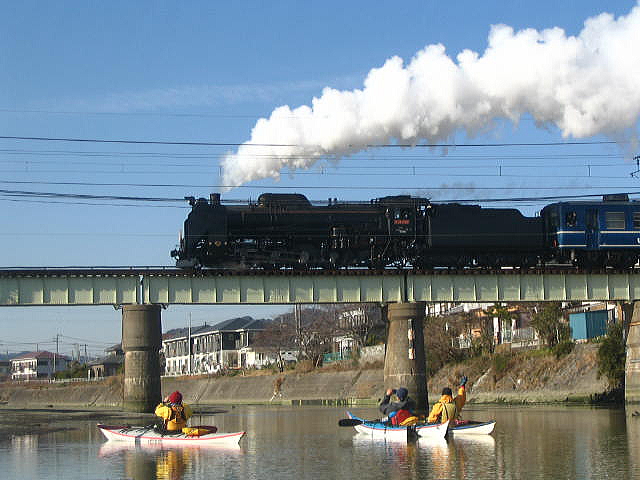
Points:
(449, 408)
(173, 412)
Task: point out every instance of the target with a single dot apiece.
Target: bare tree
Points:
(313, 329)
(280, 335)
(316, 332)
(361, 322)
(439, 336)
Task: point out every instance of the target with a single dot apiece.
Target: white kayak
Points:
(472, 428)
(378, 429)
(150, 436)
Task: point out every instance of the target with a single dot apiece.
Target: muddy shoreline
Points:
(30, 421)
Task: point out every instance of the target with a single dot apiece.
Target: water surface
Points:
(306, 442)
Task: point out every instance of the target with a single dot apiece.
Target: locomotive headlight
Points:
(218, 243)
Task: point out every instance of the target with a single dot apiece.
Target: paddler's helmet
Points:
(402, 393)
(175, 397)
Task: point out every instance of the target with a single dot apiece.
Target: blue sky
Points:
(206, 72)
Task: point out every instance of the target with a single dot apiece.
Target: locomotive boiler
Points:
(287, 230)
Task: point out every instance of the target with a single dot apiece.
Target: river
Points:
(556, 442)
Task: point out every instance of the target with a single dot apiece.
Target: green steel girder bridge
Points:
(143, 291)
(127, 286)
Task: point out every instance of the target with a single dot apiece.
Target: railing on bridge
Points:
(166, 286)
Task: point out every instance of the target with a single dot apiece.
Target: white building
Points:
(37, 365)
(210, 348)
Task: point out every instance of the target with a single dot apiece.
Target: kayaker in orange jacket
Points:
(449, 408)
(173, 412)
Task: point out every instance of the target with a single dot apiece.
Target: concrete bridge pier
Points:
(404, 361)
(141, 342)
(632, 365)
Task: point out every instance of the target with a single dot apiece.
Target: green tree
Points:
(549, 325)
(74, 370)
(611, 356)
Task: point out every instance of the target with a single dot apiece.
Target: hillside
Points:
(533, 376)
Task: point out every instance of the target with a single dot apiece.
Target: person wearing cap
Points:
(398, 411)
(449, 408)
(173, 412)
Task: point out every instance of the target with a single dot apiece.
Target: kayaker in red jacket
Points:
(173, 412)
(399, 411)
(449, 408)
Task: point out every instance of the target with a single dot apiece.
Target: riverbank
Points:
(529, 377)
(532, 377)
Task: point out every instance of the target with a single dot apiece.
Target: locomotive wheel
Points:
(376, 265)
(528, 262)
(590, 261)
(621, 262)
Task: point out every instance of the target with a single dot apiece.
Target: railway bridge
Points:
(142, 292)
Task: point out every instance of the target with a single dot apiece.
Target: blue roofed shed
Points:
(585, 325)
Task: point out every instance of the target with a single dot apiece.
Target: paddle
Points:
(349, 422)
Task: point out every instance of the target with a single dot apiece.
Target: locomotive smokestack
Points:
(585, 85)
(214, 199)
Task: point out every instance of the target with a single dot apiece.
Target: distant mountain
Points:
(10, 355)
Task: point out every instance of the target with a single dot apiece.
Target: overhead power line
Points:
(87, 196)
(232, 144)
(139, 114)
(53, 195)
(410, 155)
(102, 204)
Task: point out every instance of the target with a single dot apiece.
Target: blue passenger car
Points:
(594, 234)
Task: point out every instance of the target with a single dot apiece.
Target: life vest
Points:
(177, 419)
(400, 416)
(448, 411)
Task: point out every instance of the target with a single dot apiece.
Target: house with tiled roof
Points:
(109, 365)
(38, 365)
(210, 348)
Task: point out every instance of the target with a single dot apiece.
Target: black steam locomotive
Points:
(286, 230)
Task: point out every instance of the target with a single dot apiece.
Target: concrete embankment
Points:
(104, 394)
(351, 386)
(510, 379)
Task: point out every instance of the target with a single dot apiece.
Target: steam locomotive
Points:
(287, 231)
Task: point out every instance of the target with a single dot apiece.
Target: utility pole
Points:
(189, 344)
(55, 356)
(296, 316)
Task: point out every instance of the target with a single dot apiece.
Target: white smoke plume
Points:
(585, 85)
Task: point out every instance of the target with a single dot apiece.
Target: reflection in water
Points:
(403, 457)
(438, 451)
(296, 443)
(24, 442)
(465, 452)
(632, 421)
(146, 462)
(434, 457)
